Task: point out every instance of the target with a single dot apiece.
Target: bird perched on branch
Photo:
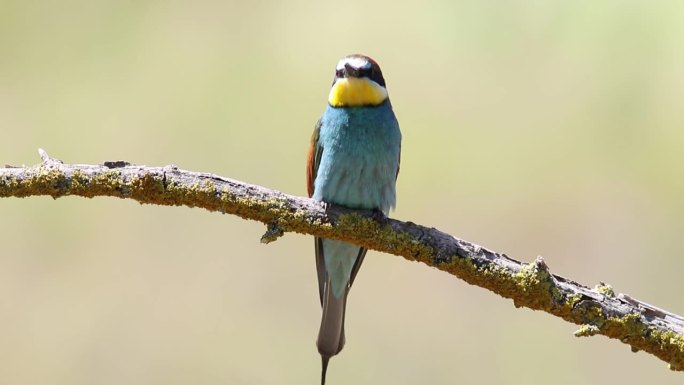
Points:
(353, 161)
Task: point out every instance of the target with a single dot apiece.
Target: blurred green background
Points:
(532, 128)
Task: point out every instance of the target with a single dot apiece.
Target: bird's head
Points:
(358, 83)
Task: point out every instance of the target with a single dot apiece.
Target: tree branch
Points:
(598, 311)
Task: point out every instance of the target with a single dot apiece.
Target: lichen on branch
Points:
(598, 311)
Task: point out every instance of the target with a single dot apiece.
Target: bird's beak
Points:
(350, 71)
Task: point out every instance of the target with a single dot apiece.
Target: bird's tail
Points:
(324, 370)
(331, 334)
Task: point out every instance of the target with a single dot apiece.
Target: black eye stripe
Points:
(365, 72)
(369, 69)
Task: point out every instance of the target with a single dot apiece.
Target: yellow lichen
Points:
(379, 236)
(587, 330)
(605, 289)
(672, 343)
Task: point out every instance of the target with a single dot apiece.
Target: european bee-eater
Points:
(353, 162)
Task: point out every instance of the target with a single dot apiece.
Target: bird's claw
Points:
(379, 216)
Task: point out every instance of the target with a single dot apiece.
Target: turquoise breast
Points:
(360, 158)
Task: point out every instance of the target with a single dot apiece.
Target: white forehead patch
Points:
(354, 61)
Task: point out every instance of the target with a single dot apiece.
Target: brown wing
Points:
(313, 159)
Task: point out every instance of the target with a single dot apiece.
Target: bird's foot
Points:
(379, 217)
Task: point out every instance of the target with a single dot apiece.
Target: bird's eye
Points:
(339, 73)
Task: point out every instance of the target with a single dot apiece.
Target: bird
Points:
(353, 161)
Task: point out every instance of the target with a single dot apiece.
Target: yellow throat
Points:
(356, 92)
